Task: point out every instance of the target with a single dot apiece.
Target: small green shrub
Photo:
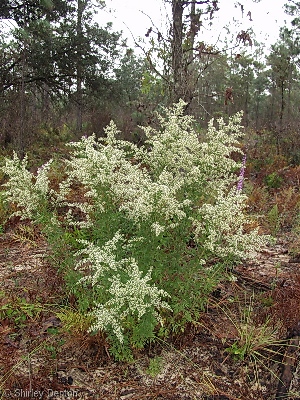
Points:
(155, 366)
(273, 181)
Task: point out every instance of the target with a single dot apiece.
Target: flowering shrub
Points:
(143, 223)
(28, 192)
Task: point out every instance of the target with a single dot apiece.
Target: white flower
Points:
(106, 318)
(157, 228)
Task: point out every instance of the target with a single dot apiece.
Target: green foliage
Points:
(274, 220)
(4, 210)
(273, 181)
(50, 39)
(142, 234)
(18, 311)
(55, 347)
(120, 350)
(155, 366)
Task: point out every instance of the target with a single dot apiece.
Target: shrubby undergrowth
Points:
(144, 233)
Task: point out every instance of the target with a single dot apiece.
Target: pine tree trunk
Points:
(177, 50)
(79, 96)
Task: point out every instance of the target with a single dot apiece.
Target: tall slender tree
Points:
(183, 39)
(81, 5)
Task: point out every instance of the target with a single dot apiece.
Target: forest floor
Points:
(40, 360)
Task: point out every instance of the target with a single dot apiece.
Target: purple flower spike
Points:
(242, 173)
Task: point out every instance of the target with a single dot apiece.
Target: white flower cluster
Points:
(217, 165)
(174, 177)
(99, 259)
(157, 228)
(175, 149)
(29, 192)
(219, 227)
(133, 297)
(177, 161)
(108, 172)
(107, 318)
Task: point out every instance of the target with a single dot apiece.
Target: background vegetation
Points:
(64, 74)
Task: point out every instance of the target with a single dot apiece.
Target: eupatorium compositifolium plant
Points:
(150, 228)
